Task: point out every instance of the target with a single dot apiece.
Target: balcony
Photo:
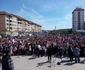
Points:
(19, 23)
(10, 20)
(10, 28)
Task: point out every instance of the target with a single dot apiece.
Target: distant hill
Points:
(62, 31)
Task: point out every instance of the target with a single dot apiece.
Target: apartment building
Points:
(28, 26)
(8, 24)
(84, 25)
(22, 24)
(78, 19)
(11, 24)
(38, 28)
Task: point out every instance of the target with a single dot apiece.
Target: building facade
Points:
(11, 24)
(78, 19)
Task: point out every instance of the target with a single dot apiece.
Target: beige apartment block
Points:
(2, 23)
(32, 29)
(28, 26)
(11, 24)
(35, 27)
(8, 24)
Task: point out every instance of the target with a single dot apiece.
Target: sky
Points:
(47, 13)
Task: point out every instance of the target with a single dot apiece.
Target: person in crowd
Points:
(39, 50)
(7, 62)
(49, 53)
(76, 51)
(70, 52)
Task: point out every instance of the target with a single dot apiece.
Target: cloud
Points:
(47, 23)
(48, 13)
(65, 22)
(67, 17)
(39, 12)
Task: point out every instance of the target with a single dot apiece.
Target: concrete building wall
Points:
(23, 26)
(12, 24)
(2, 23)
(78, 19)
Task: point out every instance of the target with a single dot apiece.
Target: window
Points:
(10, 24)
(10, 20)
(7, 24)
(7, 20)
(19, 23)
(10, 16)
(7, 16)
(10, 27)
(7, 28)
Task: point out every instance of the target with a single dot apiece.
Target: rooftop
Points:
(78, 9)
(18, 17)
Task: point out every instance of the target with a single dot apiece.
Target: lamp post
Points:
(55, 30)
(55, 27)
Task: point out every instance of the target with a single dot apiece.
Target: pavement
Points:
(31, 63)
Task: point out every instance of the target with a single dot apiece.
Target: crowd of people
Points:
(38, 45)
(45, 44)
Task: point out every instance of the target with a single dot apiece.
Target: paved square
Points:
(30, 63)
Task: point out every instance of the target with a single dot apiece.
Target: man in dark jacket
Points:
(49, 53)
(70, 52)
(7, 62)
